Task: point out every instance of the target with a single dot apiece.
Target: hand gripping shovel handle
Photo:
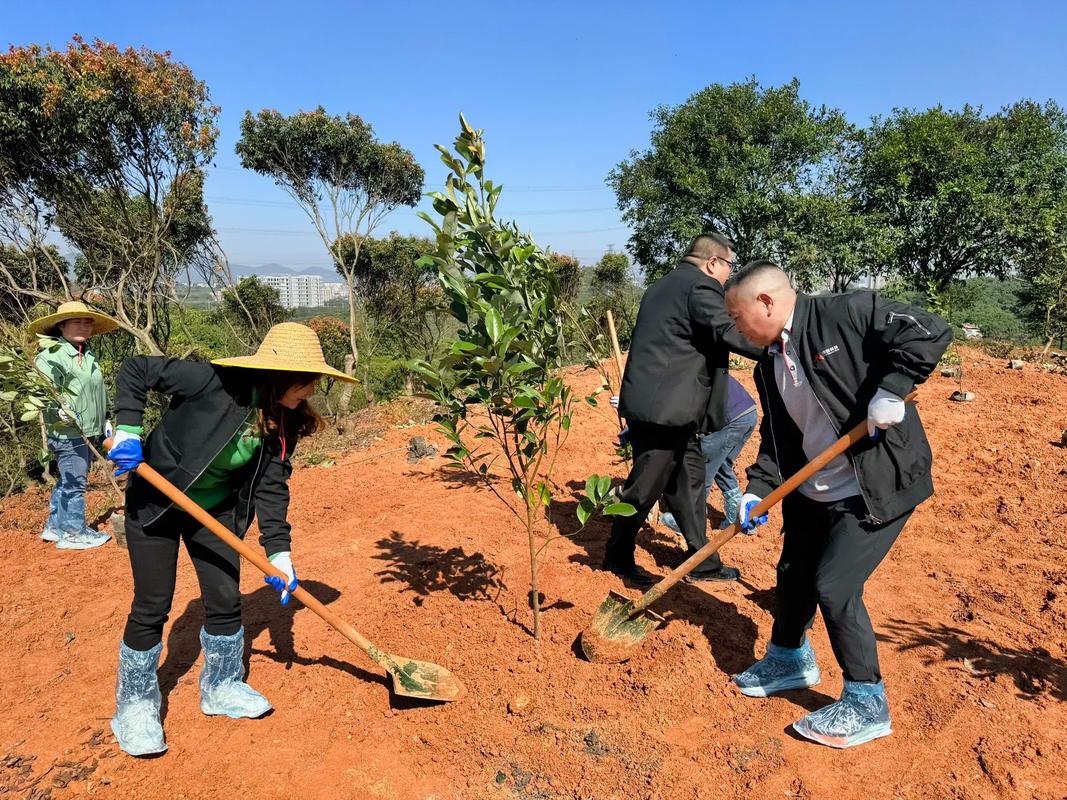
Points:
(180, 499)
(769, 502)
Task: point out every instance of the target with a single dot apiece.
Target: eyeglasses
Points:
(733, 265)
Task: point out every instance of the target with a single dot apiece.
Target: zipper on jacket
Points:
(870, 516)
(770, 419)
(852, 463)
(894, 315)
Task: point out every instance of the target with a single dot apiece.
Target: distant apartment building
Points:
(297, 291)
(334, 291)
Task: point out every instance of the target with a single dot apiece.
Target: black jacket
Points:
(208, 405)
(850, 345)
(680, 352)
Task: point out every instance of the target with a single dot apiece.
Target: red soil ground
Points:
(970, 606)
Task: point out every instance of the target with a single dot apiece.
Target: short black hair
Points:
(751, 270)
(708, 245)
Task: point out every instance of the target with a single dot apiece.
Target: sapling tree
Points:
(504, 405)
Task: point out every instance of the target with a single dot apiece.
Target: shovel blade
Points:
(424, 681)
(614, 633)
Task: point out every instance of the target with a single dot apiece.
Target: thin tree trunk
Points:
(44, 445)
(535, 596)
(346, 390)
(350, 280)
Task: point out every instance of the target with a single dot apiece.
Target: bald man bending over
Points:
(831, 362)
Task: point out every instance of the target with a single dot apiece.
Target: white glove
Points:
(614, 400)
(66, 417)
(123, 436)
(109, 429)
(284, 562)
(884, 411)
(749, 524)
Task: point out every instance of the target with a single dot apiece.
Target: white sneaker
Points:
(82, 541)
(49, 535)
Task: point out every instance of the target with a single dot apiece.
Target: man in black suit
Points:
(675, 376)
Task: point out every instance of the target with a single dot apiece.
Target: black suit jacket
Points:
(680, 353)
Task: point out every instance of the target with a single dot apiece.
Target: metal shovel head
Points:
(425, 681)
(613, 634)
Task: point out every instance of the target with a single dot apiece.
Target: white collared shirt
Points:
(837, 480)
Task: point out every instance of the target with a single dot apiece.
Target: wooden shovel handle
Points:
(615, 343)
(180, 499)
(618, 357)
(770, 501)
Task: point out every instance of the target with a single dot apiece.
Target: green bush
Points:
(386, 377)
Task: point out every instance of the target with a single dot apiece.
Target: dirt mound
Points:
(970, 606)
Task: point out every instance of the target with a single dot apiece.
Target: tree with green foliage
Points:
(400, 295)
(109, 145)
(614, 290)
(333, 336)
(829, 242)
(731, 159)
(500, 380)
(29, 267)
(250, 308)
(569, 274)
(340, 175)
(1044, 274)
(611, 272)
(960, 191)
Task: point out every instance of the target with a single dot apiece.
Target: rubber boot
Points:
(222, 692)
(137, 700)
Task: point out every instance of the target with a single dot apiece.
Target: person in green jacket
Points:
(79, 418)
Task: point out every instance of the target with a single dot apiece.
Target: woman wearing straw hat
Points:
(79, 418)
(226, 441)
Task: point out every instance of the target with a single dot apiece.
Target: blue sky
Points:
(563, 90)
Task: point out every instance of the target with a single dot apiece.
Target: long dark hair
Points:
(290, 424)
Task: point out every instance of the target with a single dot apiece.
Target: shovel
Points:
(620, 625)
(419, 679)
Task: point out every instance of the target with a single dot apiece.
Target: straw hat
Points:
(288, 347)
(75, 309)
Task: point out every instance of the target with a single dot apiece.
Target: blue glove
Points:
(624, 437)
(284, 562)
(744, 515)
(125, 452)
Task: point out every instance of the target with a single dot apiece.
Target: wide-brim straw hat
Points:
(75, 309)
(288, 347)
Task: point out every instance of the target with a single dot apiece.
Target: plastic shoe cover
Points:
(862, 714)
(49, 535)
(222, 692)
(731, 502)
(85, 540)
(781, 669)
(667, 518)
(137, 699)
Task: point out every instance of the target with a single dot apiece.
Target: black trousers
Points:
(668, 463)
(829, 551)
(154, 558)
